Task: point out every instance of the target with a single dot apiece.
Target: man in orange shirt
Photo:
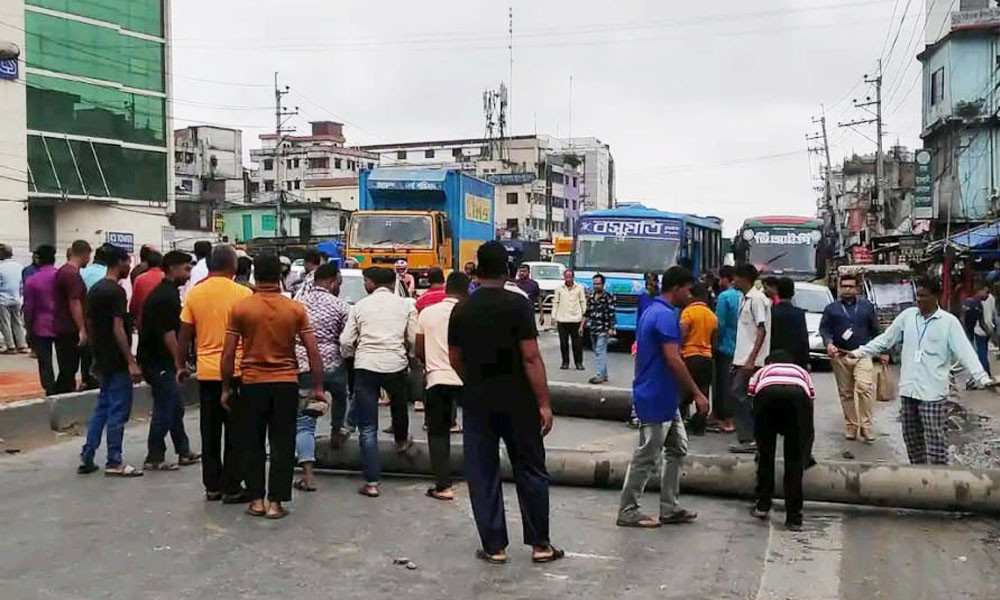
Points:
(144, 284)
(204, 319)
(699, 329)
(268, 323)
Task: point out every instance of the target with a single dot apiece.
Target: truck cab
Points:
(421, 238)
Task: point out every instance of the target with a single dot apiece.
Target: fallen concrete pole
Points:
(898, 486)
(590, 401)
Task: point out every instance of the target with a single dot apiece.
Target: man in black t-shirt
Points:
(157, 357)
(111, 342)
(492, 343)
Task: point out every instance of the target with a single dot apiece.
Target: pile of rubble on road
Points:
(976, 439)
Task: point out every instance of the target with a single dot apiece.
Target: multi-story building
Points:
(541, 181)
(208, 173)
(960, 106)
(316, 168)
(86, 136)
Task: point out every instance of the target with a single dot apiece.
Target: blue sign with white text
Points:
(661, 229)
(125, 241)
(8, 69)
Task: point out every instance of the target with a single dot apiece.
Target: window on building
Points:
(268, 164)
(267, 222)
(937, 86)
(288, 185)
(574, 182)
(319, 163)
(511, 197)
(297, 185)
(288, 163)
(371, 165)
(337, 163)
(269, 185)
(401, 155)
(326, 200)
(187, 185)
(254, 187)
(350, 165)
(511, 224)
(456, 152)
(428, 153)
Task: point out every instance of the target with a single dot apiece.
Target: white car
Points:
(813, 299)
(549, 276)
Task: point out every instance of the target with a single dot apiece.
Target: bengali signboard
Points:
(510, 178)
(8, 69)
(973, 19)
(923, 191)
(477, 209)
(663, 229)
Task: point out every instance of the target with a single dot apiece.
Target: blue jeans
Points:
(114, 406)
(168, 414)
(365, 410)
(335, 383)
(600, 341)
(982, 344)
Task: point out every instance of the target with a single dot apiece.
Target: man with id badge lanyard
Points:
(933, 340)
(847, 324)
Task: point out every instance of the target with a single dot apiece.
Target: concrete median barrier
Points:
(590, 401)
(27, 419)
(66, 410)
(898, 486)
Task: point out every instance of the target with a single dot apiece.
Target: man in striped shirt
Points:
(783, 404)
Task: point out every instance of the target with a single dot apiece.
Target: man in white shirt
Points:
(569, 304)
(202, 249)
(443, 384)
(380, 331)
(753, 344)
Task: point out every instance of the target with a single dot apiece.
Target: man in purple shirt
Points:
(71, 333)
(40, 313)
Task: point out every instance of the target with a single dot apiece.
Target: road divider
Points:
(897, 486)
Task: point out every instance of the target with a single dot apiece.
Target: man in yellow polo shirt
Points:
(204, 319)
(699, 329)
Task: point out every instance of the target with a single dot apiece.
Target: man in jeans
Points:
(268, 324)
(380, 330)
(204, 320)
(753, 343)
(111, 339)
(443, 384)
(327, 314)
(39, 314)
(659, 374)
(569, 305)
(158, 359)
(11, 300)
(601, 322)
(727, 311)
(71, 332)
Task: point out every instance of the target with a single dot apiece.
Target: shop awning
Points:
(978, 240)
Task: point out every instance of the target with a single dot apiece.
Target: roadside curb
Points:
(24, 419)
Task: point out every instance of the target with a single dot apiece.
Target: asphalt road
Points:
(72, 537)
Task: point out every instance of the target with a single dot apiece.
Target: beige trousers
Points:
(856, 386)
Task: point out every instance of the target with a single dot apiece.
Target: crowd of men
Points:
(274, 351)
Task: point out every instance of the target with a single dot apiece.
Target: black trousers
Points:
(722, 404)
(221, 466)
(785, 410)
(570, 332)
(43, 351)
(271, 411)
(521, 434)
(68, 357)
(439, 415)
(701, 369)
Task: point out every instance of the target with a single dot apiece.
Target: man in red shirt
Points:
(144, 284)
(436, 293)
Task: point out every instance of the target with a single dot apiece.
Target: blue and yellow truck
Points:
(427, 217)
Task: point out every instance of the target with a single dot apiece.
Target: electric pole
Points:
(281, 116)
(827, 177)
(879, 203)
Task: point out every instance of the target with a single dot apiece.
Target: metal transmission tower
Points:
(879, 202)
(495, 110)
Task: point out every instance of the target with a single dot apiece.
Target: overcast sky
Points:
(705, 105)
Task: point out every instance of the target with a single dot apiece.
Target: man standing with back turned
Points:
(493, 346)
(753, 344)
(848, 324)
(71, 332)
(204, 319)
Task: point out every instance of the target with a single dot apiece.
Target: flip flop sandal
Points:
(642, 522)
(281, 514)
(86, 469)
(493, 559)
(125, 471)
(213, 496)
(434, 493)
(302, 487)
(253, 512)
(160, 466)
(369, 492)
(189, 459)
(555, 555)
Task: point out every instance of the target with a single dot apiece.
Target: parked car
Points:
(549, 276)
(813, 299)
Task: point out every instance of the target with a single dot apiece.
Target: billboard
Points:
(923, 191)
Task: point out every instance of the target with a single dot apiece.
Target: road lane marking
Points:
(803, 565)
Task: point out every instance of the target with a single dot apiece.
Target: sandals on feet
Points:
(639, 522)
(440, 494)
(370, 491)
(160, 466)
(122, 471)
(303, 487)
(255, 512)
(280, 513)
(189, 459)
(500, 558)
(552, 555)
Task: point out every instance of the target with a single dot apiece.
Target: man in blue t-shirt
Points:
(659, 372)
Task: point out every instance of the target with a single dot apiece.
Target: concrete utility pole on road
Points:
(281, 116)
(828, 174)
(879, 155)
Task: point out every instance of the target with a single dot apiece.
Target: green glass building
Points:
(97, 89)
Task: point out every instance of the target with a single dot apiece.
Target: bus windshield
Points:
(783, 250)
(391, 231)
(625, 254)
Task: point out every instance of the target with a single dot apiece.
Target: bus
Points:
(782, 245)
(625, 243)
